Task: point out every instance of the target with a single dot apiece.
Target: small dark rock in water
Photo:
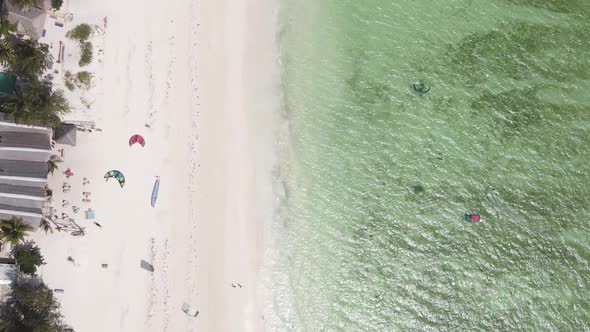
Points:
(418, 189)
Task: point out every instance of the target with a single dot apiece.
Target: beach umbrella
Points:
(136, 139)
(117, 175)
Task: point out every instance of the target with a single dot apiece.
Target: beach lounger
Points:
(59, 24)
(86, 200)
(58, 290)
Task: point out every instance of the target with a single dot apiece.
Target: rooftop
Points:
(28, 21)
(22, 190)
(20, 168)
(66, 134)
(24, 209)
(13, 139)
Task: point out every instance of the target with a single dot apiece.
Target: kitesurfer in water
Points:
(420, 87)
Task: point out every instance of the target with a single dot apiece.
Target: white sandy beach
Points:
(200, 75)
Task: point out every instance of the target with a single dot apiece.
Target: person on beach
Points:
(97, 224)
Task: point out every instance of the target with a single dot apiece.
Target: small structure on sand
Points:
(65, 134)
(28, 21)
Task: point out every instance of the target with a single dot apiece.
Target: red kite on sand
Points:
(136, 139)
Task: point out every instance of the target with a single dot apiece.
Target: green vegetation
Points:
(56, 4)
(52, 165)
(30, 306)
(28, 256)
(13, 230)
(5, 26)
(84, 79)
(81, 32)
(69, 80)
(6, 52)
(85, 54)
(38, 104)
(30, 59)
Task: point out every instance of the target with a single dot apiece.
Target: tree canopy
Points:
(28, 256)
(30, 307)
(30, 59)
(38, 103)
(5, 26)
(34, 101)
(13, 230)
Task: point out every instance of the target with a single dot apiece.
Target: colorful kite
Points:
(117, 175)
(136, 139)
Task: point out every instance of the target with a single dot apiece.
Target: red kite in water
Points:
(136, 139)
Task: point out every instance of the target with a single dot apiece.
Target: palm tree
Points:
(24, 4)
(6, 52)
(45, 226)
(37, 104)
(15, 104)
(13, 230)
(52, 165)
(5, 26)
(30, 59)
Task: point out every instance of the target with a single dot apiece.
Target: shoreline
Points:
(239, 102)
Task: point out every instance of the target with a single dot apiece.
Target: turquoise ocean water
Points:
(378, 177)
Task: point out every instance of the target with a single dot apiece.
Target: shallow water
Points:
(378, 177)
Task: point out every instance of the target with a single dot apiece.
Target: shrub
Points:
(28, 256)
(69, 80)
(81, 32)
(85, 54)
(84, 79)
(56, 4)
